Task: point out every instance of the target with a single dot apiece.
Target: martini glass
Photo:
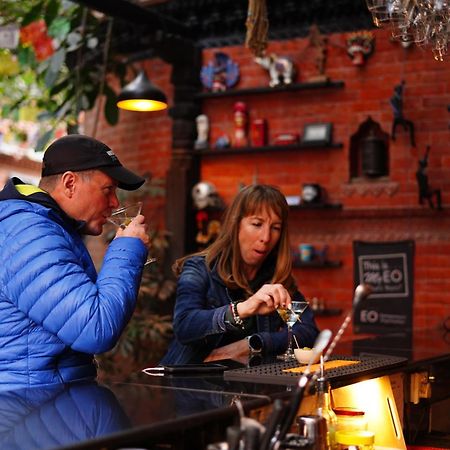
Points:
(122, 217)
(290, 316)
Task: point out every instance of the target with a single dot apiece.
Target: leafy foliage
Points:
(73, 75)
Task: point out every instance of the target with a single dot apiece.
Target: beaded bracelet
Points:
(237, 319)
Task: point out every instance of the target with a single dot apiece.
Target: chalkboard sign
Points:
(388, 268)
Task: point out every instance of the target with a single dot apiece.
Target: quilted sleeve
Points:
(45, 276)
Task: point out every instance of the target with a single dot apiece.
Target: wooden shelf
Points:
(268, 90)
(315, 206)
(317, 264)
(230, 151)
(327, 312)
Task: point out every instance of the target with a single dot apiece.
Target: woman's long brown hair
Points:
(225, 250)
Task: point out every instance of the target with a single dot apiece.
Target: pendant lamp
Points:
(141, 95)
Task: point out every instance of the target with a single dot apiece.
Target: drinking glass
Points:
(122, 217)
(290, 316)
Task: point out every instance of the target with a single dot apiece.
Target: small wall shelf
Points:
(268, 90)
(317, 264)
(328, 312)
(230, 151)
(304, 206)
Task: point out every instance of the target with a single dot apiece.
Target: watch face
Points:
(255, 343)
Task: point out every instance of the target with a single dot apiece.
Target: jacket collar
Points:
(15, 189)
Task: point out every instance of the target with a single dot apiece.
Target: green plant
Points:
(63, 57)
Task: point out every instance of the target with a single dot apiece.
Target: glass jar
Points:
(354, 440)
(350, 419)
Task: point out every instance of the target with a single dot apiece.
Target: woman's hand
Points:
(265, 301)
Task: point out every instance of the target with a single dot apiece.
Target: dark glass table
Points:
(183, 411)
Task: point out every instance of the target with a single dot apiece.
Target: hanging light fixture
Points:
(141, 95)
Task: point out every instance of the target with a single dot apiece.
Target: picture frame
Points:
(317, 134)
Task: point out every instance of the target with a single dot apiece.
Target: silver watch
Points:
(254, 343)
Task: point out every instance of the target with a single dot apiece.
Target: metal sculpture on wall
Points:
(425, 192)
(396, 102)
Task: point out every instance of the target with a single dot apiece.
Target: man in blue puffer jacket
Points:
(56, 312)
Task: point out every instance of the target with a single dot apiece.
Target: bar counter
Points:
(190, 411)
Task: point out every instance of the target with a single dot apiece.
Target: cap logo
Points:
(112, 155)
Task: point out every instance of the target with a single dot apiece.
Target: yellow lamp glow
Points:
(141, 95)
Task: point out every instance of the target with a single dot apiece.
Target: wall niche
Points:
(369, 151)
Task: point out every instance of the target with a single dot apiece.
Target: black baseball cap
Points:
(77, 152)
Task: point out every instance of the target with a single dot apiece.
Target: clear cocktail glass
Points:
(290, 316)
(122, 216)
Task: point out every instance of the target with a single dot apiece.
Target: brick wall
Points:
(373, 210)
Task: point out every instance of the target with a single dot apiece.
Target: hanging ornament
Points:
(257, 25)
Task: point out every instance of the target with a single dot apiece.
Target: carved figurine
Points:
(318, 42)
(202, 122)
(425, 192)
(360, 46)
(205, 195)
(220, 74)
(281, 69)
(396, 102)
(240, 125)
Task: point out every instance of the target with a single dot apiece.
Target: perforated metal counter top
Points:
(274, 373)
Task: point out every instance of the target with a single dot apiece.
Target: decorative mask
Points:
(360, 46)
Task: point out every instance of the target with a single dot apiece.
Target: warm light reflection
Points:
(142, 105)
(376, 399)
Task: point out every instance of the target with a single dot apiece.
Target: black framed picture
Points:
(317, 134)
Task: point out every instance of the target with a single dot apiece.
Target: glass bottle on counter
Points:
(325, 410)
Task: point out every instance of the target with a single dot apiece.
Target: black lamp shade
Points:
(141, 95)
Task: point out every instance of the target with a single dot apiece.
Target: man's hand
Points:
(136, 228)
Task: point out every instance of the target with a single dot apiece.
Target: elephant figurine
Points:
(281, 69)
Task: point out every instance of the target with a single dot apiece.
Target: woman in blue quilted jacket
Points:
(56, 312)
(227, 295)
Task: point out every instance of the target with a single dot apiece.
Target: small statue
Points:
(396, 102)
(240, 125)
(281, 69)
(205, 195)
(319, 43)
(202, 122)
(206, 201)
(220, 74)
(222, 142)
(425, 193)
